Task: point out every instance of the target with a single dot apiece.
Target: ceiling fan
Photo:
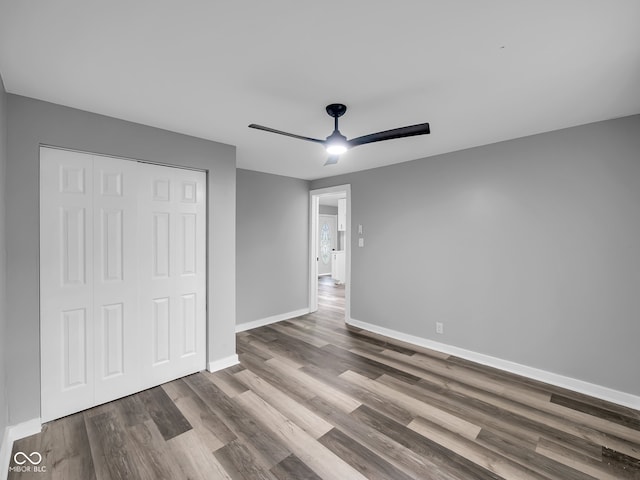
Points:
(336, 143)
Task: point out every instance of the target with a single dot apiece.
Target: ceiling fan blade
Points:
(410, 131)
(280, 132)
(332, 160)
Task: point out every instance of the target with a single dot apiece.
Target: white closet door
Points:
(66, 282)
(122, 278)
(173, 276)
(115, 301)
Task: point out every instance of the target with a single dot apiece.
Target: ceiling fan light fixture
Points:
(336, 143)
(336, 148)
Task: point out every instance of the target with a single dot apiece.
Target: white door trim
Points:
(314, 212)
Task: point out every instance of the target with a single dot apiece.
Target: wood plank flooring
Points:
(313, 399)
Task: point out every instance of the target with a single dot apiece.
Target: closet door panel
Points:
(190, 349)
(117, 333)
(66, 282)
(172, 268)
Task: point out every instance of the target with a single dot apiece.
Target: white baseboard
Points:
(269, 320)
(591, 389)
(223, 363)
(11, 434)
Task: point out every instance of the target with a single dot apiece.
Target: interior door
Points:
(327, 242)
(172, 266)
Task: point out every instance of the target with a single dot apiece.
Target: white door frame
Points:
(314, 212)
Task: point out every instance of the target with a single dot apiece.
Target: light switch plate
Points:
(361, 242)
(360, 229)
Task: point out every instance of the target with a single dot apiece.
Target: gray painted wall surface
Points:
(272, 222)
(3, 260)
(32, 122)
(527, 250)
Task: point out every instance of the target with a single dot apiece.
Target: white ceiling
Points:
(478, 71)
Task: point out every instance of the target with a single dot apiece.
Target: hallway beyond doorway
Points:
(330, 296)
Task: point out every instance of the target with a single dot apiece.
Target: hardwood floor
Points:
(313, 399)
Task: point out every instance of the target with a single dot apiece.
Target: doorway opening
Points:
(330, 249)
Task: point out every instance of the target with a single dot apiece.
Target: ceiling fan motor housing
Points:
(336, 110)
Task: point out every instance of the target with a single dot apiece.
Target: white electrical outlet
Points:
(439, 328)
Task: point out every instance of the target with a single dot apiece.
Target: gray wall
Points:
(272, 222)
(32, 122)
(527, 250)
(3, 260)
